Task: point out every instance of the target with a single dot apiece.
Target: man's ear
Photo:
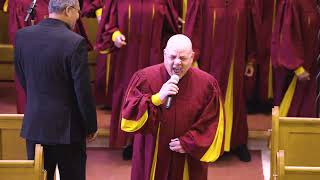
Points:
(192, 55)
(67, 11)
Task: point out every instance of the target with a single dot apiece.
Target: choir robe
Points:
(195, 117)
(3, 5)
(295, 46)
(190, 11)
(264, 12)
(104, 70)
(228, 44)
(90, 8)
(17, 13)
(142, 23)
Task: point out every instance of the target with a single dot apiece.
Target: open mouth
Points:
(177, 71)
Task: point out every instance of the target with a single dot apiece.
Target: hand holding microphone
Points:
(168, 89)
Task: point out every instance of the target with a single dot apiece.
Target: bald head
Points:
(179, 42)
(178, 55)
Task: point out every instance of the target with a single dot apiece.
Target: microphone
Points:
(168, 103)
(31, 10)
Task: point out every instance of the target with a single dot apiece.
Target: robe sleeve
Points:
(90, 7)
(140, 106)
(111, 26)
(291, 50)
(101, 43)
(205, 139)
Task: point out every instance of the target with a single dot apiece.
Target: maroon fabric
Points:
(89, 7)
(192, 22)
(143, 37)
(102, 93)
(1, 4)
(295, 44)
(233, 37)
(17, 12)
(193, 118)
(263, 20)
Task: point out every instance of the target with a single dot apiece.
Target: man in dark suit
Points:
(51, 65)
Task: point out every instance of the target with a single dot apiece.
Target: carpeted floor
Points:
(106, 164)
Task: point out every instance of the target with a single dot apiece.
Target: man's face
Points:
(178, 61)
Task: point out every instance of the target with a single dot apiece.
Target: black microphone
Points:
(168, 103)
(31, 10)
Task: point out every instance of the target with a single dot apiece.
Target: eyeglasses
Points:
(78, 10)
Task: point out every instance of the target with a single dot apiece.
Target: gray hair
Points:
(58, 6)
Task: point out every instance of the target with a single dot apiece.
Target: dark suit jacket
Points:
(51, 65)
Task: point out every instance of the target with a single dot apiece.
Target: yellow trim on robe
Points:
(104, 51)
(5, 6)
(129, 20)
(155, 99)
(228, 105)
(195, 64)
(270, 85)
(300, 70)
(274, 14)
(287, 99)
(155, 156)
(108, 61)
(132, 125)
(99, 12)
(115, 35)
(270, 79)
(186, 170)
(153, 10)
(214, 150)
(184, 14)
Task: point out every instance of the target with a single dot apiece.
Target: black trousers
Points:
(70, 158)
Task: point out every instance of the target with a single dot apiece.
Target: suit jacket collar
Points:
(54, 22)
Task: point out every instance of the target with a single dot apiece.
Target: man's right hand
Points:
(91, 137)
(168, 88)
(120, 41)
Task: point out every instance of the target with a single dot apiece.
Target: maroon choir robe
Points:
(17, 13)
(195, 117)
(89, 7)
(261, 84)
(2, 2)
(228, 44)
(142, 23)
(190, 11)
(295, 45)
(104, 70)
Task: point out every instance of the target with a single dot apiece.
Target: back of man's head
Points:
(58, 6)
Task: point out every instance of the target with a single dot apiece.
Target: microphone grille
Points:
(175, 77)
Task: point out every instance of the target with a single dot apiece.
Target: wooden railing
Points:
(299, 138)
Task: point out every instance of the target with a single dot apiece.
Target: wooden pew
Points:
(24, 169)
(299, 138)
(295, 172)
(6, 49)
(12, 146)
